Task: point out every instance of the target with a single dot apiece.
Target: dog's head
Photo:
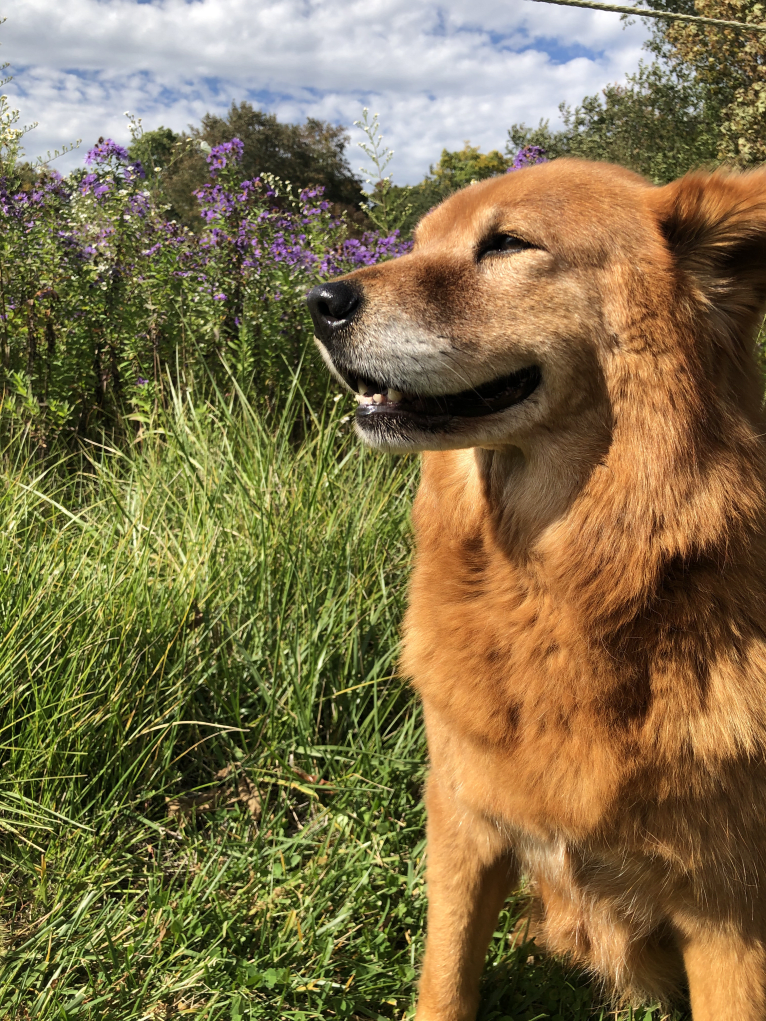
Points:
(523, 292)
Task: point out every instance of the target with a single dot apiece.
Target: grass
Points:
(210, 793)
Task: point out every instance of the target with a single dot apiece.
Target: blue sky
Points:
(436, 73)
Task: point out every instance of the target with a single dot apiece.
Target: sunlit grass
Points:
(210, 794)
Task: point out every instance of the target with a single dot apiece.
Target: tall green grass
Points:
(210, 793)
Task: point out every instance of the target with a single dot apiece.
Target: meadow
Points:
(210, 800)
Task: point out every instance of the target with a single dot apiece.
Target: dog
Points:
(574, 350)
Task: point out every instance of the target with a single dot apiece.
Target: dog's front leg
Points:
(727, 975)
(470, 872)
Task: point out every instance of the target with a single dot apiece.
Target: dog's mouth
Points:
(376, 398)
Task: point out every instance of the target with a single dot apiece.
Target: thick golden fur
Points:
(587, 619)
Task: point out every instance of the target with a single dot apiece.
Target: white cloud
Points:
(437, 74)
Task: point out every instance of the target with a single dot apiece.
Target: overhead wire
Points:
(646, 12)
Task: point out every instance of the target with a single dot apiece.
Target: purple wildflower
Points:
(55, 183)
(528, 157)
(134, 171)
(219, 155)
(106, 149)
(93, 184)
(367, 251)
(139, 204)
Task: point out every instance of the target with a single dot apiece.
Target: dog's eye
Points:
(502, 244)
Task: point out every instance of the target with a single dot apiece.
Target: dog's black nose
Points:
(331, 306)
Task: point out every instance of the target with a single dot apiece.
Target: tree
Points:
(464, 166)
(455, 169)
(155, 148)
(306, 154)
(729, 66)
(660, 123)
(310, 153)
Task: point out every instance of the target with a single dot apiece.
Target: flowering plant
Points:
(101, 296)
(527, 157)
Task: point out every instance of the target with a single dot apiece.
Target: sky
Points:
(437, 74)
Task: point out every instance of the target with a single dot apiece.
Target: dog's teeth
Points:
(394, 396)
(378, 398)
(361, 386)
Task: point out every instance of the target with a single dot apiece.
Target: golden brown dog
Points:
(587, 623)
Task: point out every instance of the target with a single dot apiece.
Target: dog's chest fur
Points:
(549, 729)
(499, 663)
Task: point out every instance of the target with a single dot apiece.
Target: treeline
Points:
(699, 100)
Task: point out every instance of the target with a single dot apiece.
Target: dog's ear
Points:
(715, 228)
